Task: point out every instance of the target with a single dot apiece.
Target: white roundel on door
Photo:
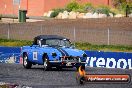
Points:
(35, 54)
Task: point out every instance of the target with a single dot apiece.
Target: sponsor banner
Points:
(94, 59)
(9, 54)
(109, 59)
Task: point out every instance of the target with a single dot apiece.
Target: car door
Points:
(37, 55)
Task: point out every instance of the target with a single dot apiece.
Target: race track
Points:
(37, 78)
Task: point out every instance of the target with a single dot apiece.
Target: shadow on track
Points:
(54, 69)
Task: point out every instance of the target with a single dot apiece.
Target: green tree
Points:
(72, 6)
(118, 3)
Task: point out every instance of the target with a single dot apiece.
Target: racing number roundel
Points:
(34, 55)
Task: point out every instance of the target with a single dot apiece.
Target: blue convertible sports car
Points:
(52, 51)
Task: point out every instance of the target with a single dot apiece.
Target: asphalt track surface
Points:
(37, 78)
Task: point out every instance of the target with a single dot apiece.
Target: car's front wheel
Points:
(26, 62)
(46, 63)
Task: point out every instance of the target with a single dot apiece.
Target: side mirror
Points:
(72, 46)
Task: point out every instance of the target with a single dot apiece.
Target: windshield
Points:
(57, 42)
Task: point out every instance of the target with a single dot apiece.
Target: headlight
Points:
(84, 55)
(54, 54)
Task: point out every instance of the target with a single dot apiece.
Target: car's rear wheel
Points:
(46, 63)
(26, 63)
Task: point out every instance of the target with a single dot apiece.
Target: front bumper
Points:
(66, 64)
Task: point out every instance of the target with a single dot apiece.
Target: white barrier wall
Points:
(109, 59)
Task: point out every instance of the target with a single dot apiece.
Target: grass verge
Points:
(113, 48)
(14, 43)
(82, 46)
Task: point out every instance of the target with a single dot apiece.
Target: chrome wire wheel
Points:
(46, 64)
(26, 63)
(25, 60)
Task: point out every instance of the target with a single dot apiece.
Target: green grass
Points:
(83, 46)
(6, 42)
(115, 48)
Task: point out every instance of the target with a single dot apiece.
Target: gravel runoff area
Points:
(37, 78)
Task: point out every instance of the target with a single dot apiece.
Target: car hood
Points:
(72, 52)
(61, 51)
